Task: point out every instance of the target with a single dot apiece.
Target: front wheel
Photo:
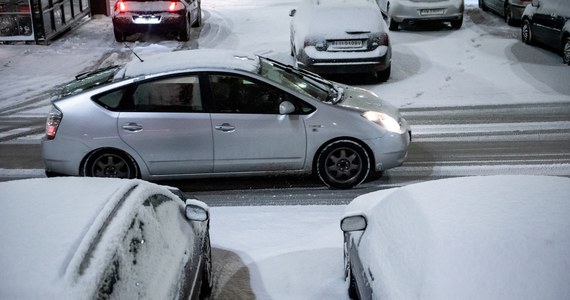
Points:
(110, 163)
(526, 32)
(566, 51)
(343, 164)
(198, 22)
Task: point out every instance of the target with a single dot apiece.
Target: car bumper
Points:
(408, 12)
(328, 62)
(167, 22)
(392, 149)
(63, 159)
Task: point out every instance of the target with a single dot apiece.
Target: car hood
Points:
(365, 100)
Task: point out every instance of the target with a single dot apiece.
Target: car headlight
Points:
(383, 120)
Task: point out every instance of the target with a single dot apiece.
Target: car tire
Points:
(119, 36)
(198, 21)
(566, 52)
(384, 75)
(483, 6)
(184, 34)
(509, 15)
(526, 32)
(207, 279)
(343, 164)
(457, 24)
(392, 24)
(110, 163)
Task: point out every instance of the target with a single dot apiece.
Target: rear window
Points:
(86, 81)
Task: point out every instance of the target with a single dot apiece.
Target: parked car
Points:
(511, 10)
(204, 113)
(548, 22)
(174, 16)
(410, 12)
(482, 237)
(337, 36)
(101, 238)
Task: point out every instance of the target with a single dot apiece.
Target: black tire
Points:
(110, 163)
(509, 15)
(384, 75)
(184, 34)
(457, 24)
(483, 6)
(526, 32)
(392, 24)
(198, 22)
(566, 51)
(343, 164)
(119, 36)
(207, 279)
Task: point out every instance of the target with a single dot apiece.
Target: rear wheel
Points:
(384, 75)
(184, 34)
(343, 164)
(119, 36)
(457, 24)
(526, 32)
(509, 15)
(110, 163)
(482, 5)
(566, 51)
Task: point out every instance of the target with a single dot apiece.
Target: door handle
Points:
(133, 127)
(225, 127)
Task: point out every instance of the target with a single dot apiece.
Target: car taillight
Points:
(52, 123)
(175, 6)
(121, 6)
(172, 6)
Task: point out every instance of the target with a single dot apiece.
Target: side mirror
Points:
(286, 108)
(197, 210)
(292, 12)
(353, 223)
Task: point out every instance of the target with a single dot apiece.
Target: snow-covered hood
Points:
(365, 100)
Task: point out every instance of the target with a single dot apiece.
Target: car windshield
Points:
(88, 80)
(301, 81)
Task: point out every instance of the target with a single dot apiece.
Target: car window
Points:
(178, 94)
(235, 94)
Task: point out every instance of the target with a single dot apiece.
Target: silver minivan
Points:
(412, 11)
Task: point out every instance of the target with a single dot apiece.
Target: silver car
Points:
(202, 113)
(336, 36)
(412, 11)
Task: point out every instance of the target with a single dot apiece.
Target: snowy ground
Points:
(296, 252)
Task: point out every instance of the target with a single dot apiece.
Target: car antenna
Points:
(126, 45)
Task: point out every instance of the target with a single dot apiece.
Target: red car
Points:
(164, 16)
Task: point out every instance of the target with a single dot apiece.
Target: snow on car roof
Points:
(482, 237)
(48, 228)
(191, 59)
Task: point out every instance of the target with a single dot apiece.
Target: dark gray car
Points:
(547, 22)
(511, 10)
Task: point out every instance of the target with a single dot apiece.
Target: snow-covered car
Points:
(164, 16)
(338, 36)
(483, 237)
(212, 113)
(547, 22)
(511, 10)
(101, 238)
(410, 12)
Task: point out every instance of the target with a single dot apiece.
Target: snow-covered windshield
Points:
(299, 80)
(88, 80)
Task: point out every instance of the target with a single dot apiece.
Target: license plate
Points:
(432, 12)
(146, 19)
(347, 44)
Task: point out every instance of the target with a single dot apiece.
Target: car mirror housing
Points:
(353, 223)
(286, 108)
(196, 210)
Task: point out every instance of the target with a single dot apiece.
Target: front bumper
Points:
(391, 150)
(342, 62)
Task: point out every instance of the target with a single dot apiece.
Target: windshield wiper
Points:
(84, 75)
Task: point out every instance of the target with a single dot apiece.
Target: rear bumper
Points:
(169, 22)
(341, 62)
(409, 12)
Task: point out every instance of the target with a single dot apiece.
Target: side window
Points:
(177, 94)
(234, 94)
(112, 100)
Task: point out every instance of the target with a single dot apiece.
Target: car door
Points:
(167, 124)
(545, 26)
(249, 133)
